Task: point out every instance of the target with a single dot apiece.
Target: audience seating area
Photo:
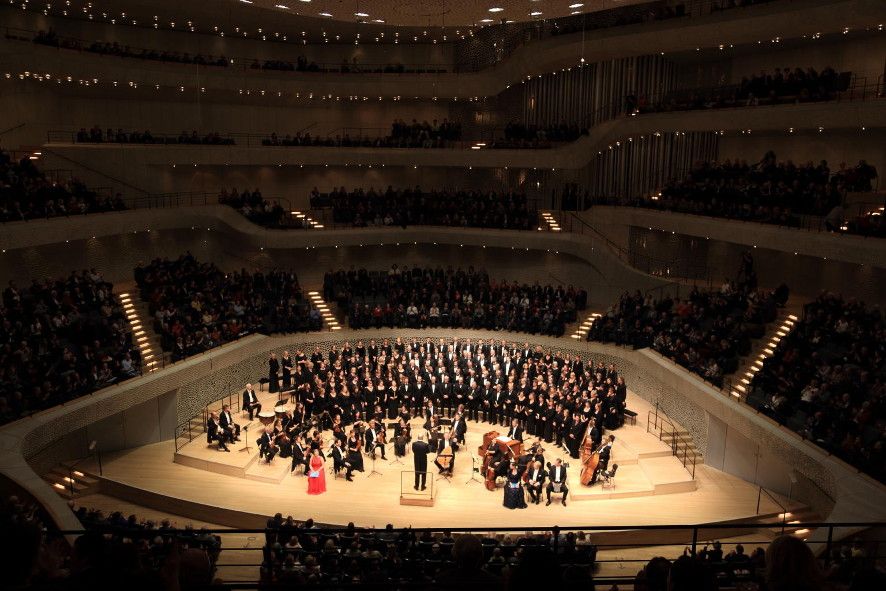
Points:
(197, 306)
(706, 332)
(26, 193)
(769, 191)
(402, 207)
(779, 87)
(520, 136)
(61, 338)
(261, 211)
(402, 135)
(95, 135)
(457, 298)
(826, 381)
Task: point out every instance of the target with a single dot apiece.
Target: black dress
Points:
(287, 373)
(514, 498)
(273, 377)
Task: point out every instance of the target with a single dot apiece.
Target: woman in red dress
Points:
(316, 476)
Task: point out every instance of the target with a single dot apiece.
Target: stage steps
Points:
(71, 483)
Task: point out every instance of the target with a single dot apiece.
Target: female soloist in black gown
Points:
(514, 498)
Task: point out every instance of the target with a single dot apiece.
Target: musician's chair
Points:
(609, 476)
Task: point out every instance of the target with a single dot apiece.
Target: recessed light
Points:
(496, 9)
(281, 6)
(576, 5)
(361, 14)
(325, 14)
(378, 20)
(246, 1)
(486, 20)
(535, 13)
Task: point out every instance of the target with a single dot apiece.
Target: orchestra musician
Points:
(402, 436)
(459, 427)
(266, 447)
(214, 432)
(354, 446)
(230, 429)
(556, 481)
(250, 401)
(605, 452)
(340, 460)
(516, 431)
(445, 460)
(420, 451)
(299, 454)
(535, 480)
(375, 439)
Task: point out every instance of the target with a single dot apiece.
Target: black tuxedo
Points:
(535, 480)
(251, 403)
(266, 447)
(420, 451)
(340, 462)
(516, 433)
(299, 457)
(230, 429)
(213, 433)
(460, 429)
(371, 443)
(557, 476)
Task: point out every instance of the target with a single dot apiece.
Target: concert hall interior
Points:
(395, 294)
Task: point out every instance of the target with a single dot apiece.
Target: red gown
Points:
(316, 477)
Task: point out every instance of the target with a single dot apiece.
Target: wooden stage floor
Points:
(652, 488)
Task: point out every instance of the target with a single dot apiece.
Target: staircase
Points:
(329, 318)
(143, 336)
(583, 325)
(69, 482)
(761, 350)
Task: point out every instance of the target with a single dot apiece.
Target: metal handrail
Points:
(784, 511)
(657, 421)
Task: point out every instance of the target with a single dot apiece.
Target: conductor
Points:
(420, 452)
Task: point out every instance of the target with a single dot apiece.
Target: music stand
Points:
(475, 471)
(246, 446)
(373, 470)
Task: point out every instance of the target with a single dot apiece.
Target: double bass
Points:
(590, 458)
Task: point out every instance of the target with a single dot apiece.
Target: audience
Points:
(457, 298)
(403, 135)
(706, 332)
(51, 38)
(196, 306)
(61, 338)
(520, 136)
(26, 194)
(826, 381)
(402, 207)
(259, 210)
(782, 86)
(768, 191)
(95, 135)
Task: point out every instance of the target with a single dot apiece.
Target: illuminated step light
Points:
(318, 226)
(141, 339)
(736, 394)
(802, 531)
(576, 336)
(335, 328)
(792, 317)
(745, 381)
(769, 351)
(740, 388)
(785, 515)
(139, 333)
(68, 479)
(313, 293)
(59, 486)
(758, 363)
(79, 474)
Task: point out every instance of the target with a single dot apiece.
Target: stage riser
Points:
(176, 506)
(209, 466)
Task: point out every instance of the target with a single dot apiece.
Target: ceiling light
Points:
(576, 5)
(486, 20)
(282, 6)
(378, 20)
(361, 14)
(535, 13)
(496, 9)
(246, 1)
(326, 14)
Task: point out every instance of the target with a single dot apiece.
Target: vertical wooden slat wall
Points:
(635, 167)
(590, 93)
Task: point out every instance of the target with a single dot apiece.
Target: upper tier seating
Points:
(707, 332)
(418, 298)
(197, 306)
(402, 207)
(27, 194)
(826, 381)
(61, 338)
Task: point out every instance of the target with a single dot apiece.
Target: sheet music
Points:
(503, 438)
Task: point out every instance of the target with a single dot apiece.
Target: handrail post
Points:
(694, 539)
(759, 494)
(827, 548)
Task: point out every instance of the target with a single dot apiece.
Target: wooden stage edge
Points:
(234, 490)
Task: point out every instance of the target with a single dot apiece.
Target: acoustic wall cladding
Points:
(594, 92)
(633, 167)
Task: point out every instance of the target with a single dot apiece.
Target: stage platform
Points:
(235, 489)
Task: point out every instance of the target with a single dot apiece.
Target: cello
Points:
(590, 458)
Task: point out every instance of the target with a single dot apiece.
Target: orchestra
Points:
(540, 396)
